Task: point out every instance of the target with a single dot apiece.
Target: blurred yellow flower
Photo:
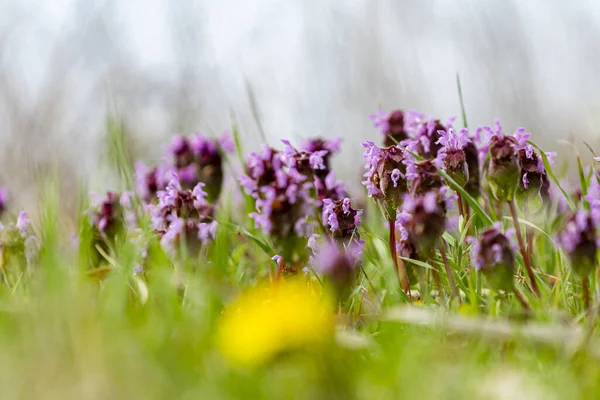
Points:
(270, 319)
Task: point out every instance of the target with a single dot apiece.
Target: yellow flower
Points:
(270, 319)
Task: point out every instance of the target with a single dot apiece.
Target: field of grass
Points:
(112, 314)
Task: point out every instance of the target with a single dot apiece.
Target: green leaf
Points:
(582, 181)
(466, 196)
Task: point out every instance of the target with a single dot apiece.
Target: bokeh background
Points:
(284, 69)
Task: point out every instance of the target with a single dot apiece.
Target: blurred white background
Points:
(306, 67)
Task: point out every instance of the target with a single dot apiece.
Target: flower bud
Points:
(503, 170)
(493, 255)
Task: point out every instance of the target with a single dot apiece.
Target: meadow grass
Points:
(69, 329)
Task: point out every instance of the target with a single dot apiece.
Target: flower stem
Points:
(461, 209)
(524, 303)
(451, 282)
(526, 259)
(587, 302)
(398, 266)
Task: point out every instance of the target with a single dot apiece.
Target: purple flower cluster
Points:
(493, 255)
(386, 176)
(183, 214)
(337, 263)
(281, 193)
(3, 198)
(19, 239)
(341, 219)
(423, 220)
(396, 126)
(193, 159)
(513, 164)
(579, 239)
(108, 215)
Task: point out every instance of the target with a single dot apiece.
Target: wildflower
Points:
(386, 174)
(338, 264)
(282, 205)
(396, 126)
(199, 159)
(503, 170)
(593, 199)
(422, 220)
(17, 239)
(306, 163)
(329, 188)
(149, 181)
(580, 241)
(261, 168)
(342, 219)
(453, 153)
(427, 137)
(534, 180)
(325, 149)
(424, 174)
(268, 320)
(227, 142)
(107, 220)
(183, 213)
(3, 198)
(23, 224)
(493, 255)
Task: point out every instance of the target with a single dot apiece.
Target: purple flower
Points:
(493, 255)
(198, 158)
(521, 142)
(422, 220)
(342, 220)
(386, 174)
(183, 211)
(380, 121)
(23, 224)
(330, 188)
(316, 159)
(427, 135)
(579, 239)
(534, 180)
(396, 126)
(593, 198)
(311, 164)
(3, 198)
(453, 141)
(338, 264)
(318, 144)
(227, 142)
